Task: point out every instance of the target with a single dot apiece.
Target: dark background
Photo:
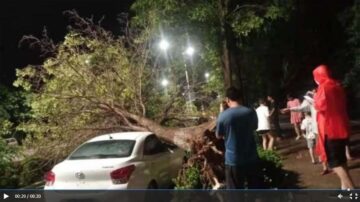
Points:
(25, 17)
(313, 35)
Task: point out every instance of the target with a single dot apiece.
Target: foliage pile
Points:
(8, 177)
(271, 168)
(13, 111)
(205, 167)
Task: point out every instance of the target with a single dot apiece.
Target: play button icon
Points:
(5, 196)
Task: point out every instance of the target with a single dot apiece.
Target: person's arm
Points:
(304, 107)
(285, 110)
(272, 111)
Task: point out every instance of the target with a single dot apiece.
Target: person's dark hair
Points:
(262, 101)
(233, 94)
(289, 96)
(224, 105)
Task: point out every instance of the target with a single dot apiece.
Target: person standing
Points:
(309, 133)
(308, 106)
(295, 117)
(333, 123)
(237, 125)
(274, 116)
(263, 129)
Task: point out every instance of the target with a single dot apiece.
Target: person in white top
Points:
(308, 106)
(264, 126)
(310, 134)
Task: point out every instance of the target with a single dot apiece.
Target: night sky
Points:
(24, 17)
(314, 27)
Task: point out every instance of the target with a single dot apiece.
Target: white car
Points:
(131, 160)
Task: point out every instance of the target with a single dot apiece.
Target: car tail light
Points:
(122, 175)
(49, 178)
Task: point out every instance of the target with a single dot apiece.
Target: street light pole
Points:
(164, 45)
(188, 87)
(189, 52)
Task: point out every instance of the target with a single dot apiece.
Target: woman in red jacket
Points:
(333, 124)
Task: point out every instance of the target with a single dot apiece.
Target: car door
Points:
(157, 160)
(176, 158)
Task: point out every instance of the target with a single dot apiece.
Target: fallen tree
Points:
(94, 82)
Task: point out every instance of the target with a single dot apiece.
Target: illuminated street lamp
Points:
(190, 51)
(164, 83)
(207, 75)
(164, 44)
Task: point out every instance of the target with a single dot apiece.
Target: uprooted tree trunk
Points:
(205, 149)
(207, 152)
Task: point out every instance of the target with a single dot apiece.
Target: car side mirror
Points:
(170, 150)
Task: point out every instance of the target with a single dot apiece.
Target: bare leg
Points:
(311, 152)
(297, 131)
(264, 141)
(271, 141)
(326, 169)
(344, 176)
(348, 155)
(324, 165)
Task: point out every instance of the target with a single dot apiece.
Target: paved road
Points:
(296, 159)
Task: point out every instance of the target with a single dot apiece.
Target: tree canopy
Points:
(219, 27)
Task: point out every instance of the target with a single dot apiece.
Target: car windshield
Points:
(104, 149)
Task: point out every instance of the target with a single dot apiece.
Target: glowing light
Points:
(207, 75)
(164, 45)
(164, 82)
(190, 51)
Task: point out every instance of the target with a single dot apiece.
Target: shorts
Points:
(262, 132)
(335, 151)
(310, 143)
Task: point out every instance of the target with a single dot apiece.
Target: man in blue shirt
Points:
(237, 125)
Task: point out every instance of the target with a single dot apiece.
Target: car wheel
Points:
(151, 196)
(152, 185)
(171, 185)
